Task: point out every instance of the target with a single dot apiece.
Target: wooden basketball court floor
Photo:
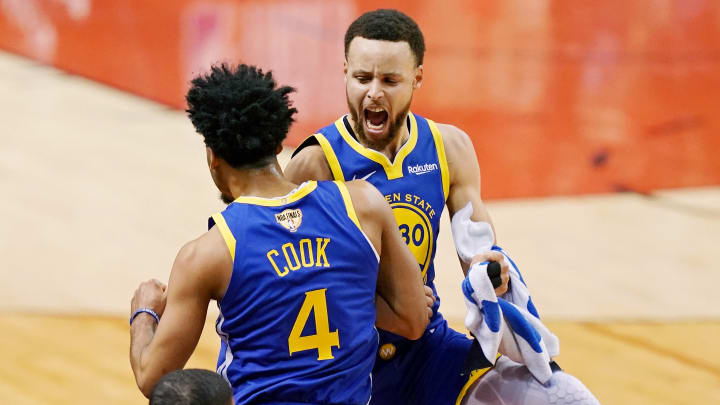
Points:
(100, 188)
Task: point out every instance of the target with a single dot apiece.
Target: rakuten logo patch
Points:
(422, 169)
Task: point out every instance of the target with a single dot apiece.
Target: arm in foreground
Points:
(195, 279)
(465, 187)
(401, 302)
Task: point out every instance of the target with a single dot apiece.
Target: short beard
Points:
(393, 130)
(226, 199)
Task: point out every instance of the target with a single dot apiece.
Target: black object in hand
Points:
(493, 271)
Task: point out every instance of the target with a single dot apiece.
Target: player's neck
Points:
(392, 149)
(266, 182)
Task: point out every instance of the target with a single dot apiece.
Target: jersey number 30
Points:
(323, 340)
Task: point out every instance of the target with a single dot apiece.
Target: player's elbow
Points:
(415, 324)
(146, 385)
(416, 332)
(420, 325)
(146, 380)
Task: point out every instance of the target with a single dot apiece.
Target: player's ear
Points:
(417, 80)
(345, 67)
(212, 159)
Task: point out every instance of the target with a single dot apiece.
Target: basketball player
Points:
(420, 167)
(294, 268)
(192, 387)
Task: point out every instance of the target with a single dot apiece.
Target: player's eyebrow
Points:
(383, 74)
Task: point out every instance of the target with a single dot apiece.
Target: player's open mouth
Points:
(375, 119)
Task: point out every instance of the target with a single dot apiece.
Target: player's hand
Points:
(429, 300)
(150, 294)
(504, 276)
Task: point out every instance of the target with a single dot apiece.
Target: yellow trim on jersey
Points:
(222, 226)
(440, 147)
(305, 189)
(393, 170)
(348, 203)
(431, 235)
(330, 156)
(474, 376)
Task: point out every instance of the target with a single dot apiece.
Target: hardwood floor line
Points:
(639, 343)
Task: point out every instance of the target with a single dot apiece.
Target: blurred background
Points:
(595, 124)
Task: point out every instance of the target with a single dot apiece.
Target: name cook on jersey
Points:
(308, 257)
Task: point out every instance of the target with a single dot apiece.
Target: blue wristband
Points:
(147, 311)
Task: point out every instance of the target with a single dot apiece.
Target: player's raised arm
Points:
(464, 173)
(465, 187)
(401, 302)
(197, 276)
(308, 164)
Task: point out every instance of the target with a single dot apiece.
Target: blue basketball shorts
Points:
(436, 369)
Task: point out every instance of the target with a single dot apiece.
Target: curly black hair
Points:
(387, 25)
(191, 387)
(241, 113)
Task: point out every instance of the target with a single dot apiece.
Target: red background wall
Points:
(560, 97)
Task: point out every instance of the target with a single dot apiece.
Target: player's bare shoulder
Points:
(366, 199)
(455, 139)
(205, 262)
(372, 210)
(459, 149)
(308, 164)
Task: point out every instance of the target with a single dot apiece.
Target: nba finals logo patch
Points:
(290, 219)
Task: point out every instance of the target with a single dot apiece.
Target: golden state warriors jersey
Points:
(415, 184)
(297, 323)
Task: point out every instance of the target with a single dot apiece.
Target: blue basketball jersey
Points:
(297, 320)
(415, 185)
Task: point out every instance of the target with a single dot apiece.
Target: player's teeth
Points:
(372, 126)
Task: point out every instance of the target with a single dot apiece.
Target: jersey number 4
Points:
(323, 340)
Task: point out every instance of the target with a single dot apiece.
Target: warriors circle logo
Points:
(387, 351)
(290, 219)
(417, 232)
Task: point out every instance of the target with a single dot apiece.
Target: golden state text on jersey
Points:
(297, 323)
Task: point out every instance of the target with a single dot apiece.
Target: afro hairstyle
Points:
(241, 113)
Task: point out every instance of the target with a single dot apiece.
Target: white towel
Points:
(509, 324)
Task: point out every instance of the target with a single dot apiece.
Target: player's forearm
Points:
(408, 324)
(385, 318)
(141, 334)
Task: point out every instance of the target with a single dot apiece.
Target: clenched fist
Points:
(503, 277)
(149, 294)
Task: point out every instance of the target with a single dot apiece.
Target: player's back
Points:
(297, 320)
